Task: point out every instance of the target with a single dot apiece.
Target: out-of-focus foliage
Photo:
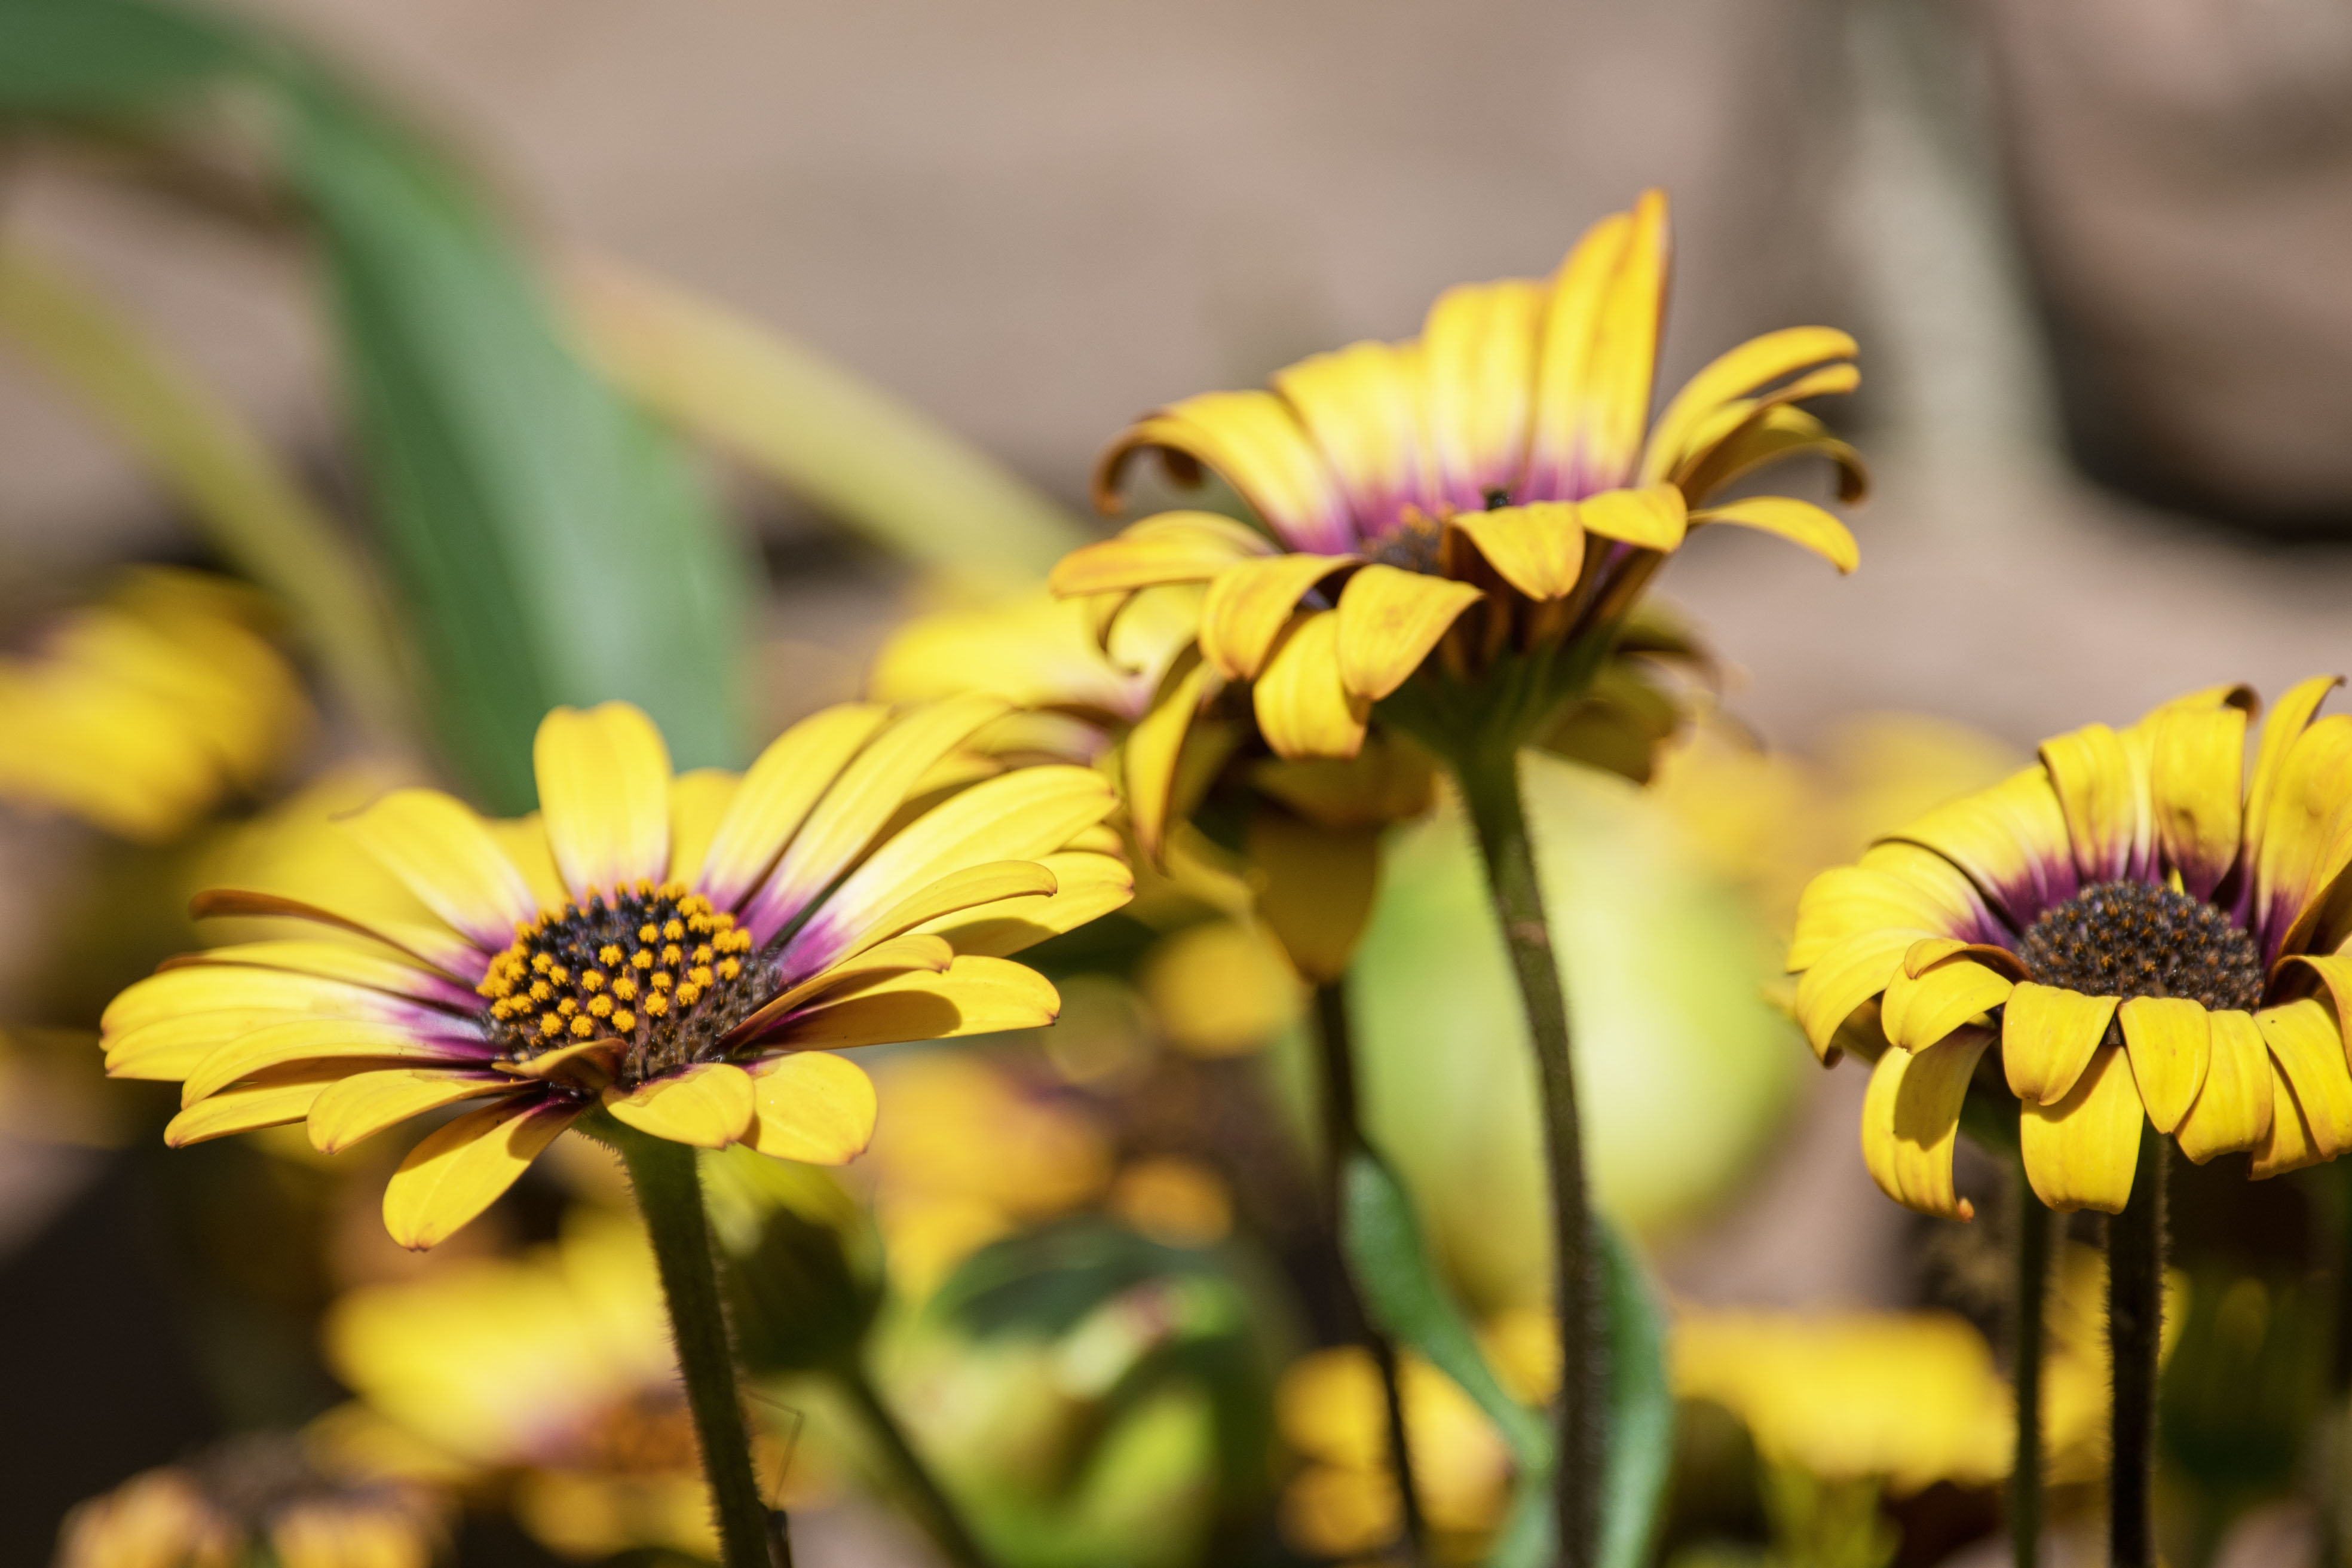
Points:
(552, 547)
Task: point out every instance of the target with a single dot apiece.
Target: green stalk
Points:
(1490, 787)
(941, 1518)
(1343, 1132)
(669, 1192)
(2135, 1314)
(2035, 1232)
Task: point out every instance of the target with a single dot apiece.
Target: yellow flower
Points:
(1912, 1398)
(141, 713)
(250, 1498)
(558, 1367)
(2148, 933)
(1492, 493)
(676, 951)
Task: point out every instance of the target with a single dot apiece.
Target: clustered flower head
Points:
(2143, 930)
(672, 953)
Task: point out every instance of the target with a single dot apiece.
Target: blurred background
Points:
(2096, 259)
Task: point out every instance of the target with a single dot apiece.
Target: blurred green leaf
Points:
(855, 453)
(551, 545)
(257, 515)
(1641, 1407)
(802, 1262)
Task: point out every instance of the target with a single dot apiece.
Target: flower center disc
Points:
(654, 967)
(2127, 939)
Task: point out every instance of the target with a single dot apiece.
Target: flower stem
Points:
(2135, 1313)
(2035, 1230)
(669, 1192)
(1490, 786)
(941, 1518)
(1343, 1132)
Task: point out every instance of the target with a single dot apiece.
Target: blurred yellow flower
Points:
(555, 1369)
(2148, 933)
(1219, 989)
(143, 711)
(1174, 1201)
(264, 1497)
(673, 950)
(1342, 1501)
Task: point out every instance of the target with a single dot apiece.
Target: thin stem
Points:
(2035, 1229)
(941, 1518)
(2135, 1313)
(669, 1192)
(1343, 1132)
(1490, 786)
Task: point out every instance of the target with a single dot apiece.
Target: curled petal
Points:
(1800, 522)
(2171, 1044)
(811, 1107)
(463, 1168)
(1304, 708)
(1389, 620)
(2081, 1153)
(1538, 548)
(2234, 1107)
(1249, 605)
(1919, 1012)
(1169, 547)
(1911, 1121)
(2047, 1035)
(709, 1105)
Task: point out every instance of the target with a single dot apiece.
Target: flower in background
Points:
(272, 1498)
(555, 1372)
(677, 951)
(143, 711)
(2149, 934)
(1492, 493)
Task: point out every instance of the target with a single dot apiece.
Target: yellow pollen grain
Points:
(550, 1023)
(601, 1006)
(662, 981)
(688, 994)
(541, 991)
(656, 1005)
(649, 934)
(569, 1005)
(702, 953)
(540, 964)
(673, 953)
(624, 1020)
(625, 989)
(730, 968)
(594, 980)
(641, 959)
(608, 956)
(699, 975)
(675, 929)
(585, 1026)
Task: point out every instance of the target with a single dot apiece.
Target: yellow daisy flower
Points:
(260, 1498)
(2147, 934)
(1492, 491)
(141, 713)
(677, 950)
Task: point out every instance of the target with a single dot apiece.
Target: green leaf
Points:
(1405, 1297)
(96, 58)
(1641, 1407)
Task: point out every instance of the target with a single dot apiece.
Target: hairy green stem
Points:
(2135, 1314)
(1490, 786)
(939, 1515)
(669, 1192)
(2035, 1229)
(1343, 1132)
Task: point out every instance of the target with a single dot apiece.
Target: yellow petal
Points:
(1756, 362)
(895, 956)
(1651, 519)
(1303, 708)
(169, 1049)
(975, 996)
(436, 949)
(777, 795)
(956, 892)
(1168, 547)
(2233, 1110)
(334, 960)
(2011, 841)
(863, 798)
(1155, 746)
(2288, 1144)
(708, 1104)
(1362, 405)
(2305, 842)
(319, 1039)
(1600, 351)
(1477, 354)
(1389, 780)
(1848, 900)
(1016, 816)
(587, 1064)
(1538, 548)
(2080, 1153)
(814, 1108)
(2047, 1035)
(362, 1104)
(2103, 794)
(217, 987)
(271, 1100)
(2170, 1045)
(2196, 778)
(1800, 522)
(461, 1169)
(2280, 733)
(1256, 443)
(2308, 1046)
(1316, 889)
(1911, 1121)
(1249, 604)
(1843, 978)
(1919, 1012)
(1756, 433)
(698, 802)
(446, 856)
(1088, 886)
(603, 795)
(1389, 620)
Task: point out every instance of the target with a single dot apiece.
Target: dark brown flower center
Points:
(654, 967)
(1414, 544)
(2127, 939)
